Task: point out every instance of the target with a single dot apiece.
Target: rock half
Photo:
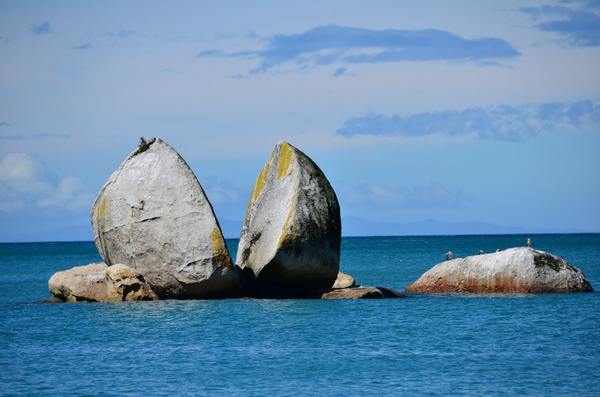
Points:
(515, 270)
(290, 241)
(99, 283)
(153, 215)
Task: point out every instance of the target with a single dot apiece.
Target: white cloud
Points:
(22, 173)
(23, 182)
(70, 193)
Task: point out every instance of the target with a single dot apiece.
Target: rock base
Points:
(361, 293)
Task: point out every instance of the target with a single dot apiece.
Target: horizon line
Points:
(354, 236)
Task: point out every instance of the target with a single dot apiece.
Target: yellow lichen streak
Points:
(260, 182)
(285, 159)
(218, 244)
(101, 208)
(258, 186)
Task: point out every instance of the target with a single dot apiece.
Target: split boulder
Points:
(153, 215)
(290, 240)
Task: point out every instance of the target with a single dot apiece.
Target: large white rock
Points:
(290, 241)
(515, 270)
(152, 215)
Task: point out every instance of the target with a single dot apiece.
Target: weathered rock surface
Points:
(153, 215)
(126, 284)
(81, 283)
(515, 270)
(99, 283)
(361, 293)
(344, 280)
(290, 241)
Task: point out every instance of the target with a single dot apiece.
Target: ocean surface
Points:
(538, 345)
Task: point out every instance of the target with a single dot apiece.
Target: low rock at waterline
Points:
(343, 280)
(153, 215)
(515, 270)
(290, 241)
(81, 283)
(361, 293)
(99, 283)
(391, 293)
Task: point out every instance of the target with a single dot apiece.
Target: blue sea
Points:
(538, 345)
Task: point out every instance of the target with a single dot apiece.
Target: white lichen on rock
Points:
(515, 270)
(153, 215)
(290, 241)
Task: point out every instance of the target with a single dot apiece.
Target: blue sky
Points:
(417, 111)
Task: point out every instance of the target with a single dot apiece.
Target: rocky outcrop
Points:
(361, 293)
(153, 215)
(515, 270)
(290, 241)
(344, 280)
(99, 283)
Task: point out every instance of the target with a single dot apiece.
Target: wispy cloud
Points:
(508, 123)
(325, 45)
(70, 193)
(34, 137)
(84, 46)
(121, 34)
(41, 28)
(223, 192)
(23, 183)
(431, 195)
(579, 26)
(4, 124)
(22, 173)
